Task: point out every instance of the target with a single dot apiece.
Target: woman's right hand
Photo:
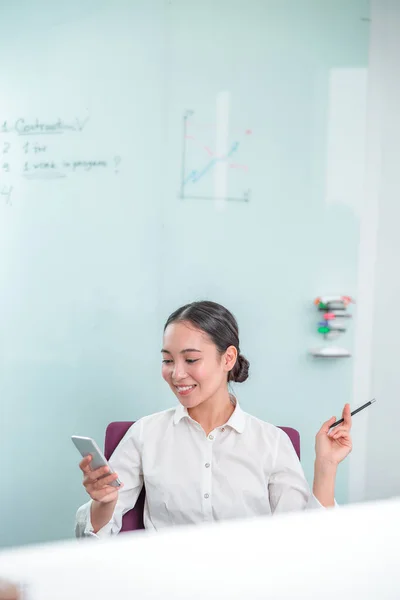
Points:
(97, 484)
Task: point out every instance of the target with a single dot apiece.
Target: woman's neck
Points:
(214, 412)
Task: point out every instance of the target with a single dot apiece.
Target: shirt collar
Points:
(237, 419)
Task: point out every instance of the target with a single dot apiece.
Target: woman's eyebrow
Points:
(182, 351)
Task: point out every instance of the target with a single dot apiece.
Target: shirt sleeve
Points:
(288, 488)
(127, 462)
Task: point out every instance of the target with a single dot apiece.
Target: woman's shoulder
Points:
(150, 424)
(257, 425)
(160, 418)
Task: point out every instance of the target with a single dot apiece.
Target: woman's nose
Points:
(179, 372)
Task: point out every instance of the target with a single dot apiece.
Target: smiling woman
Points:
(207, 459)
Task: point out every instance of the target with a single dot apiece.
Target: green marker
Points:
(323, 329)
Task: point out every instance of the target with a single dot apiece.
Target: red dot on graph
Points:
(248, 132)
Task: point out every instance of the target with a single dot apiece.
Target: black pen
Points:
(354, 412)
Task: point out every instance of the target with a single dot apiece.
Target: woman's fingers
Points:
(346, 425)
(325, 426)
(347, 416)
(105, 481)
(105, 494)
(97, 482)
(84, 464)
(340, 431)
(96, 474)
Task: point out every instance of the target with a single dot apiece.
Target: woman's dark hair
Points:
(220, 325)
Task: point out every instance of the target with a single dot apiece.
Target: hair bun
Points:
(240, 371)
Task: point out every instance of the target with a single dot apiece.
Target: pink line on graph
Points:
(211, 153)
(205, 148)
(237, 166)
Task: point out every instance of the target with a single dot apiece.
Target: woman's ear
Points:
(229, 358)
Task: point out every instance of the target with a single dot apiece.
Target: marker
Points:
(332, 315)
(333, 309)
(332, 335)
(333, 300)
(336, 327)
(354, 412)
(323, 330)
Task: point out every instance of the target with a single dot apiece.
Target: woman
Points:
(207, 460)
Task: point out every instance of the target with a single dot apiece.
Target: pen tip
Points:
(374, 400)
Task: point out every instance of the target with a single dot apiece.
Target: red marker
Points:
(332, 315)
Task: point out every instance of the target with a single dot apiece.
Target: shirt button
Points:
(207, 465)
(210, 437)
(223, 429)
(206, 496)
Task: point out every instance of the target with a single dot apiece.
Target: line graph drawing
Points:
(202, 166)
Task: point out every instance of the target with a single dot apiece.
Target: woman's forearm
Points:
(324, 482)
(101, 514)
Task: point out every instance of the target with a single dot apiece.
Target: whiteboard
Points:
(152, 154)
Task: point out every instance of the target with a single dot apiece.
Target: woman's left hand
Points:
(333, 445)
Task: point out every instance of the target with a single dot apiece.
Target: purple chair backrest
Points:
(133, 519)
(115, 431)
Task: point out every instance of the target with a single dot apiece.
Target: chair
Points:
(115, 431)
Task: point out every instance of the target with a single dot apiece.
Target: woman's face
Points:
(192, 365)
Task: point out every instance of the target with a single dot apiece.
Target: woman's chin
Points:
(189, 401)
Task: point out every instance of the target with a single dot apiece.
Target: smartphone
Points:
(88, 446)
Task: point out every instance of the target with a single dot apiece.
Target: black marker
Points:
(354, 412)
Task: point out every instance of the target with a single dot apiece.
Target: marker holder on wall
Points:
(333, 320)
